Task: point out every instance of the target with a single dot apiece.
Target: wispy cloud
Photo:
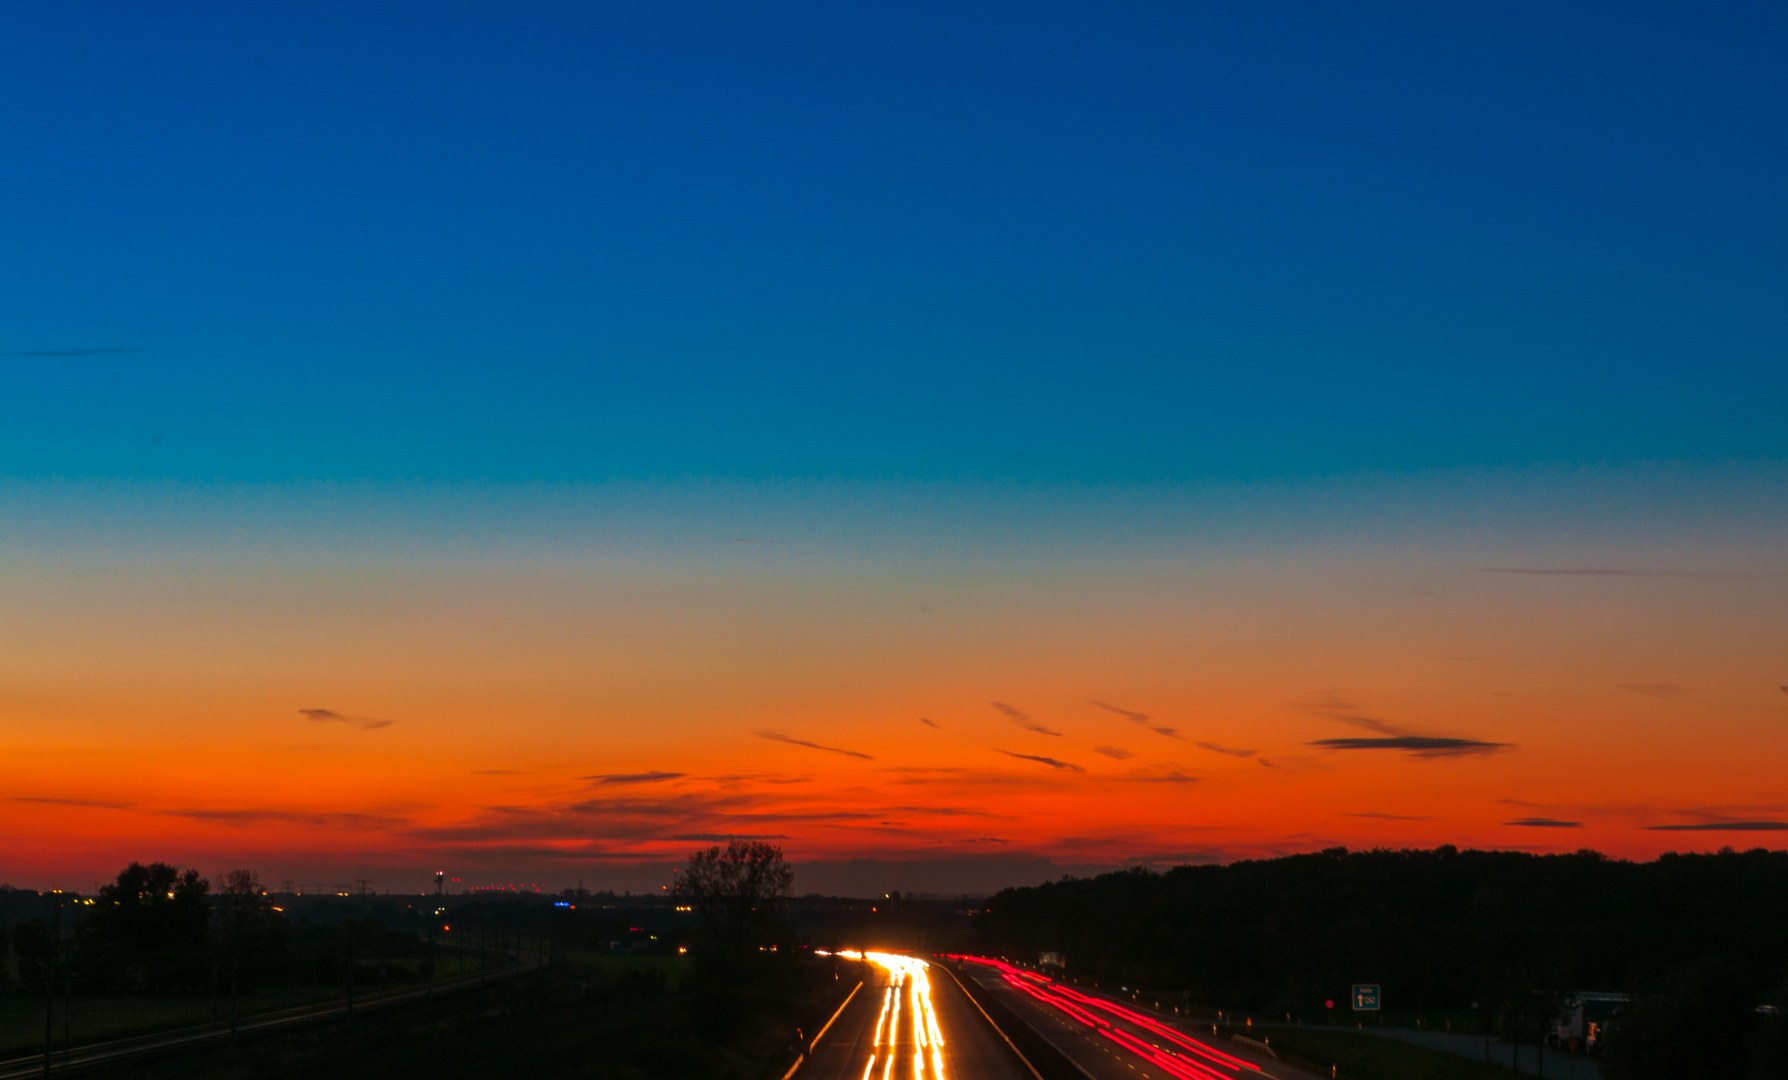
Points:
(1653, 689)
(974, 783)
(1023, 720)
(330, 716)
(771, 543)
(1116, 753)
(1604, 571)
(715, 837)
(498, 772)
(946, 811)
(1391, 817)
(653, 777)
(637, 821)
(1140, 718)
(928, 721)
(59, 353)
(1175, 777)
(1545, 823)
(1335, 707)
(92, 804)
(1231, 751)
(1049, 761)
(319, 819)
(1424, 746)
(1724, 826)
(774, 736)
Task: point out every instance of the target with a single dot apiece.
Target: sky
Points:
(962, 444)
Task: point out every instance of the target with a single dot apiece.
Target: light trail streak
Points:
(887, 996)
(869, 1068)
(1156, 1026)
(894, 1029)
(915, 975)
(1075, 1004)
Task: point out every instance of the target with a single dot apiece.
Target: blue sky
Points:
(1035, 242)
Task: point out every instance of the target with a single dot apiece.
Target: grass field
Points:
(1357, 1056)
(592, 1019)
(96, 1019)
(101, 1018)
(618, 964)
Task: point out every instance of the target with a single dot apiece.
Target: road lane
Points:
(910, 1022)
(1110, 1039)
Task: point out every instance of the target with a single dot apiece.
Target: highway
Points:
(910, 1021)
(1110, 1038)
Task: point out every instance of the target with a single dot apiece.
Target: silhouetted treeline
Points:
(1437, 929)
(159, 929)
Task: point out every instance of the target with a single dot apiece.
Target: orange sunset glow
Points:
(596, 710)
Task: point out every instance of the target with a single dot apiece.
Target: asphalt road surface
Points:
(1125, 1042)
(910, 1021)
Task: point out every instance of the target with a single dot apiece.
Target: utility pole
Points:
(348, 946)
(235, 959)
(49, 989)
(67, 1002)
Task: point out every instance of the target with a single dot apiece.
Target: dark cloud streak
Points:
(653, 777)
(1425, 746)
(1724, 826)
(330, 716)
(57, 354)
(1023, 720)
(1140, 718)
(91, 804)
(774, 736)
(1049, 761)
(1603, 571)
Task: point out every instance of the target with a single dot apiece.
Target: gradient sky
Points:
(990, 439)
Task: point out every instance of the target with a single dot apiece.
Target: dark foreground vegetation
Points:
(596, 1019)
(709, 983)
(1473, 939)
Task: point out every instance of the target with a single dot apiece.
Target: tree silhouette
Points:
(148, 929)
(737, 889)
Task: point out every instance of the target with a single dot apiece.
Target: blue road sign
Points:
(1365, 997)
